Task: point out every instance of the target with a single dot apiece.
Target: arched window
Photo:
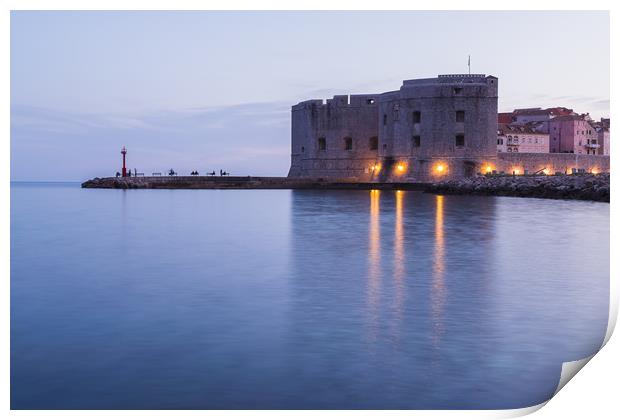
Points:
(374, 143)
(322, 143)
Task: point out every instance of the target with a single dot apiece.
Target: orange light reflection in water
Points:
(399, 258)
(374, 264)
(438, 287)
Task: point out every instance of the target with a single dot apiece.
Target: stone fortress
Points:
(428, 130)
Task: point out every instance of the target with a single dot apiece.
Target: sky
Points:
(206, 90)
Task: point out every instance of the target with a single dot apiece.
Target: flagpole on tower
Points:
(469, 64)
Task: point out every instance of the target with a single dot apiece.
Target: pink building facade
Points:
(603, 140)
(514, 138)
(573, 134)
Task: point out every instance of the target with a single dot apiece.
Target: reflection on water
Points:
(399, 255)
(374, 260)
(299, 299)
(438, 288)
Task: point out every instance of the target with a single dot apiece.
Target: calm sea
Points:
(299, 299)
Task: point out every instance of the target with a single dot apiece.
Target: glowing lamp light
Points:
(488, 169)
(440, 168)
(546, 171)
(400, 168)
(515, 171)
(594, 171)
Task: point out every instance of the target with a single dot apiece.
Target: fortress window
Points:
(370, 101)
(348, 143)
(322, 143)
(458, 90)
(417, 117)
(374, 143)
(384, 119)
(460, 116)
(416, 141)
(460, 140)
(303, 149)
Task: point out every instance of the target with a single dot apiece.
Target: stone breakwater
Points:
(576, 187)
(244, 182)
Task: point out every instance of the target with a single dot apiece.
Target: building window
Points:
(322, 143)
(303, 149)
(416, 141)
(348, 143)
(458, 90)
(384, 146)
(384, 119)
(417, 117)
(460, 140)
(374, 143)
(460, 116)
(500, 141)
(370, 101)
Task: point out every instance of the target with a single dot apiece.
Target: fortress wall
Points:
(418, 127)
(437, 102)
(342, 118)
(554, 162)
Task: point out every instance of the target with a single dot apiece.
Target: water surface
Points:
(299, 299)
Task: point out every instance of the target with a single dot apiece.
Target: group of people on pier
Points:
(172, 172)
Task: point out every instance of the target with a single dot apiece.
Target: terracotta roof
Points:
(518, 129)
(569, 118)
(558, 110)
(504, 117)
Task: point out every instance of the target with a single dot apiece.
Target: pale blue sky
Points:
(211, 90)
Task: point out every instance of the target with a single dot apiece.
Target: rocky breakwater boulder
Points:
(576, 187)
(121, 183)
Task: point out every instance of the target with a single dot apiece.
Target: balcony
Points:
(591, 146)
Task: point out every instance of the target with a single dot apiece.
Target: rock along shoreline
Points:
(568, 187)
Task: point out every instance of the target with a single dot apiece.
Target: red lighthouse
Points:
(124, 152)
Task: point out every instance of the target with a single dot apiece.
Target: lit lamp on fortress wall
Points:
(440, 168)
